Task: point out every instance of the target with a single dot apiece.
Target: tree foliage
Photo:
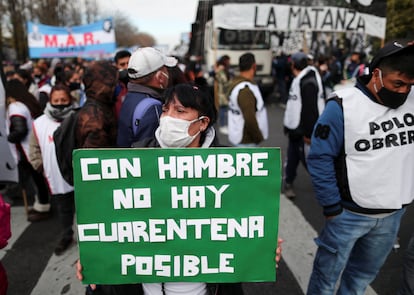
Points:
(15, 13)
(400, 19)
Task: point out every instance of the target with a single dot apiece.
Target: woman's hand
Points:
(278, 251)
(79, 274)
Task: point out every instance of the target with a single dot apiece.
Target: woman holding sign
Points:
(187, 121)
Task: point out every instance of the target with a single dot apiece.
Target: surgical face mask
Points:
(173, 132)
(390, 98)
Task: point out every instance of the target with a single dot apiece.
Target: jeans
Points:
(407, 285)
(355, 244)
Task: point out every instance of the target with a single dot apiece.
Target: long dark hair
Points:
(17, 90)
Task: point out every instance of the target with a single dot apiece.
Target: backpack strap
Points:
(140, 109)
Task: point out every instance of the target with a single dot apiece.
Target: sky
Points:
(165, 20)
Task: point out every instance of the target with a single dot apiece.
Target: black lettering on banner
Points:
(322, 131)
(351, 12)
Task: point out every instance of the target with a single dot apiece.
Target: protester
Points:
(121, 60)
(354, 66)
(141, 109)
(280, 72)
(39, 73)
(221, 85)
(305, 104)
(247, 116)
(187, 121)
(358, 163)
(22, 109)
(26, 78)
(194, 68)
(43, 159)
(96, 126)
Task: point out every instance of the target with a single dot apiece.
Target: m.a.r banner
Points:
(177, 215)
(96, 40)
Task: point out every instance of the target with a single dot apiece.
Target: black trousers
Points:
(26, 171)
(65, 204)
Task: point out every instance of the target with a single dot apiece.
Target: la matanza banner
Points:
(177, 215)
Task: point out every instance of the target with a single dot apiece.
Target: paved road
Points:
(34, 269)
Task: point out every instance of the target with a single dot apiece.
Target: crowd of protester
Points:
(103, 96)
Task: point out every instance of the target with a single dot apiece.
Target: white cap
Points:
(147, 60)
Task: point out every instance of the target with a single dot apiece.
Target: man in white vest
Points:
(247, 115)
(305, 103)
(360, 162)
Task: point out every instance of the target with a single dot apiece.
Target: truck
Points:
(209, 43)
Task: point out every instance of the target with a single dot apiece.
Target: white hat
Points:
(147, 60)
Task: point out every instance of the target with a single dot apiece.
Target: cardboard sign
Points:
(170, 215)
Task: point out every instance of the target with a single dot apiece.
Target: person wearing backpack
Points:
(148, 77)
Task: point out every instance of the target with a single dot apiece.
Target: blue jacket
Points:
(149, 121)
(326, 160)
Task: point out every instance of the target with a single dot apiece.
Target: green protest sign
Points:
(189, 215)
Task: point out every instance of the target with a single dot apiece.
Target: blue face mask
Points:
(390, 98)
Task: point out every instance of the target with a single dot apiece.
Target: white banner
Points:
(8, 166)
(260, 16)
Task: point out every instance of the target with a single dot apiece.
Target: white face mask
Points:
(173, 132)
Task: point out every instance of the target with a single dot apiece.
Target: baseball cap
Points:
(147, 60)
(298, 56)
(386, 51)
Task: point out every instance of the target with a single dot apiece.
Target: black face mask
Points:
(390, 98)
(60, 106)
(123, 76)
(74, 86)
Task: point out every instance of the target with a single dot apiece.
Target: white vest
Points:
(235, 116)
(294, 104)
(43, 128)
(19, 109)
(379, 148)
